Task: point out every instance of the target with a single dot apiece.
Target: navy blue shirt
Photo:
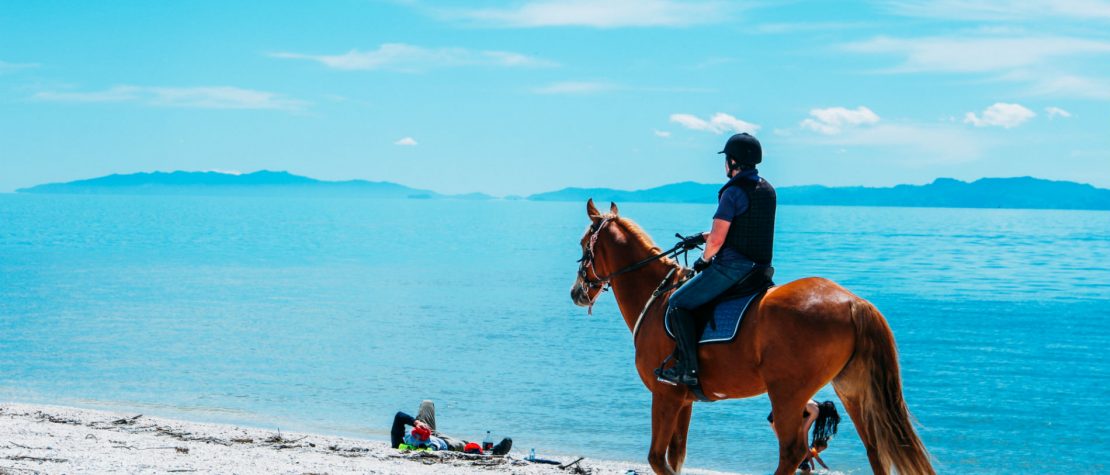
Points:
(733, 203)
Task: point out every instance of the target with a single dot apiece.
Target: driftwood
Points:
(35, 459)
(571, 464)
(126, 421)
(55, 419)
(31, 448)
(180, 450)
(187, 436)
(336, 448)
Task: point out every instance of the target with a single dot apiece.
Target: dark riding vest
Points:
(753, 232)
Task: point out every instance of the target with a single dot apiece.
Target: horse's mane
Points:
(637, 234)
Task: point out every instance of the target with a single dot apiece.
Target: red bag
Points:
(473, 448)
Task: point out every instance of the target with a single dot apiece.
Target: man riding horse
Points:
(849, 342)
(740, 241)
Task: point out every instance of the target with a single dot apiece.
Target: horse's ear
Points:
(613, 208)
(591, 210)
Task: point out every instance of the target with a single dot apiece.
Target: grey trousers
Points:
(427, 415)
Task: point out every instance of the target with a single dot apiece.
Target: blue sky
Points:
(517, 97)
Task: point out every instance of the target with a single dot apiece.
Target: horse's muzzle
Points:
(578, 297)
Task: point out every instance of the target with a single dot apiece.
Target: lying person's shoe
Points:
(502, 447)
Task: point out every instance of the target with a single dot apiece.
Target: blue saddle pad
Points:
(726, 320)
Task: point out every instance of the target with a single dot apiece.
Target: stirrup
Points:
(681, 378)
(661, 368)
(676, 379)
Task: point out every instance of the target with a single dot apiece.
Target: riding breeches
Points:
(708, 284)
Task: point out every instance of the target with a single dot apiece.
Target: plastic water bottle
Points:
(487, 443)
(532, 455)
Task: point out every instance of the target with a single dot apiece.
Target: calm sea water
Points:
(332, 314)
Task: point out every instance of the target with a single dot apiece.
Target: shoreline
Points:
(40, 438)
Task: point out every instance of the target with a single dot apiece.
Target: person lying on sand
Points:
(425, 436)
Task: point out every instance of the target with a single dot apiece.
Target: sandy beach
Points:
(53, 439)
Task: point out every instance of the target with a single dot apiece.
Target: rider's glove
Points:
(701, 264)
(692, 242)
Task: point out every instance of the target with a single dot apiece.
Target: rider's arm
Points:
(716, 238)
(733, 202)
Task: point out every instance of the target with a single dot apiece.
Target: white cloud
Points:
(406, 141)
(803, 27)
(912, 143)
(220, 97)
(6, 67)
(834, 120)
(1044, 64)
(718, 124)
(410, 58)
(976, 54)
(1054, 112)
(205, 97)
(661, 133)
(575, 87)
(1001, 114)
(1002, 10)
(596, 87)
(115, 94)
(596, 13)
(1070, 85)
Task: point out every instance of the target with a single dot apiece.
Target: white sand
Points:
(52, 439)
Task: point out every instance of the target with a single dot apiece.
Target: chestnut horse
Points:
(793, 342)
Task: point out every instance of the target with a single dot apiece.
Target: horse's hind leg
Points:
(676, 452)
(664, 416)
(852, 405)
(787, 407)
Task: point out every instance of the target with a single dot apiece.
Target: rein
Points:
(587, 262)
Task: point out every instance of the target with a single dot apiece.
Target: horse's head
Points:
(593, 266)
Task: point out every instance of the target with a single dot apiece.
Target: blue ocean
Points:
(329, 315)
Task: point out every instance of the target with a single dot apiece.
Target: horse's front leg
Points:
(664, 416)
(676, 452)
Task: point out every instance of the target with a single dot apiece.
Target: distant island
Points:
(263, 182)
(1019, 192)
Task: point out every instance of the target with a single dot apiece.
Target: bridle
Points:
(586, 283)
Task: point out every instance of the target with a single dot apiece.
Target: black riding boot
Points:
(685, 371)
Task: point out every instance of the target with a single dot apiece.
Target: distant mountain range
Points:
(1021, 192)
(218, 183)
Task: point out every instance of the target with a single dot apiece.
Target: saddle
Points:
(757, 280)
(718, 321)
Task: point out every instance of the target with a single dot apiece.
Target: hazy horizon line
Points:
(512, 195)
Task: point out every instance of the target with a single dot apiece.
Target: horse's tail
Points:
(878, 389)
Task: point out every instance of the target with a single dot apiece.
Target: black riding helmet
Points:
(743, 149)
